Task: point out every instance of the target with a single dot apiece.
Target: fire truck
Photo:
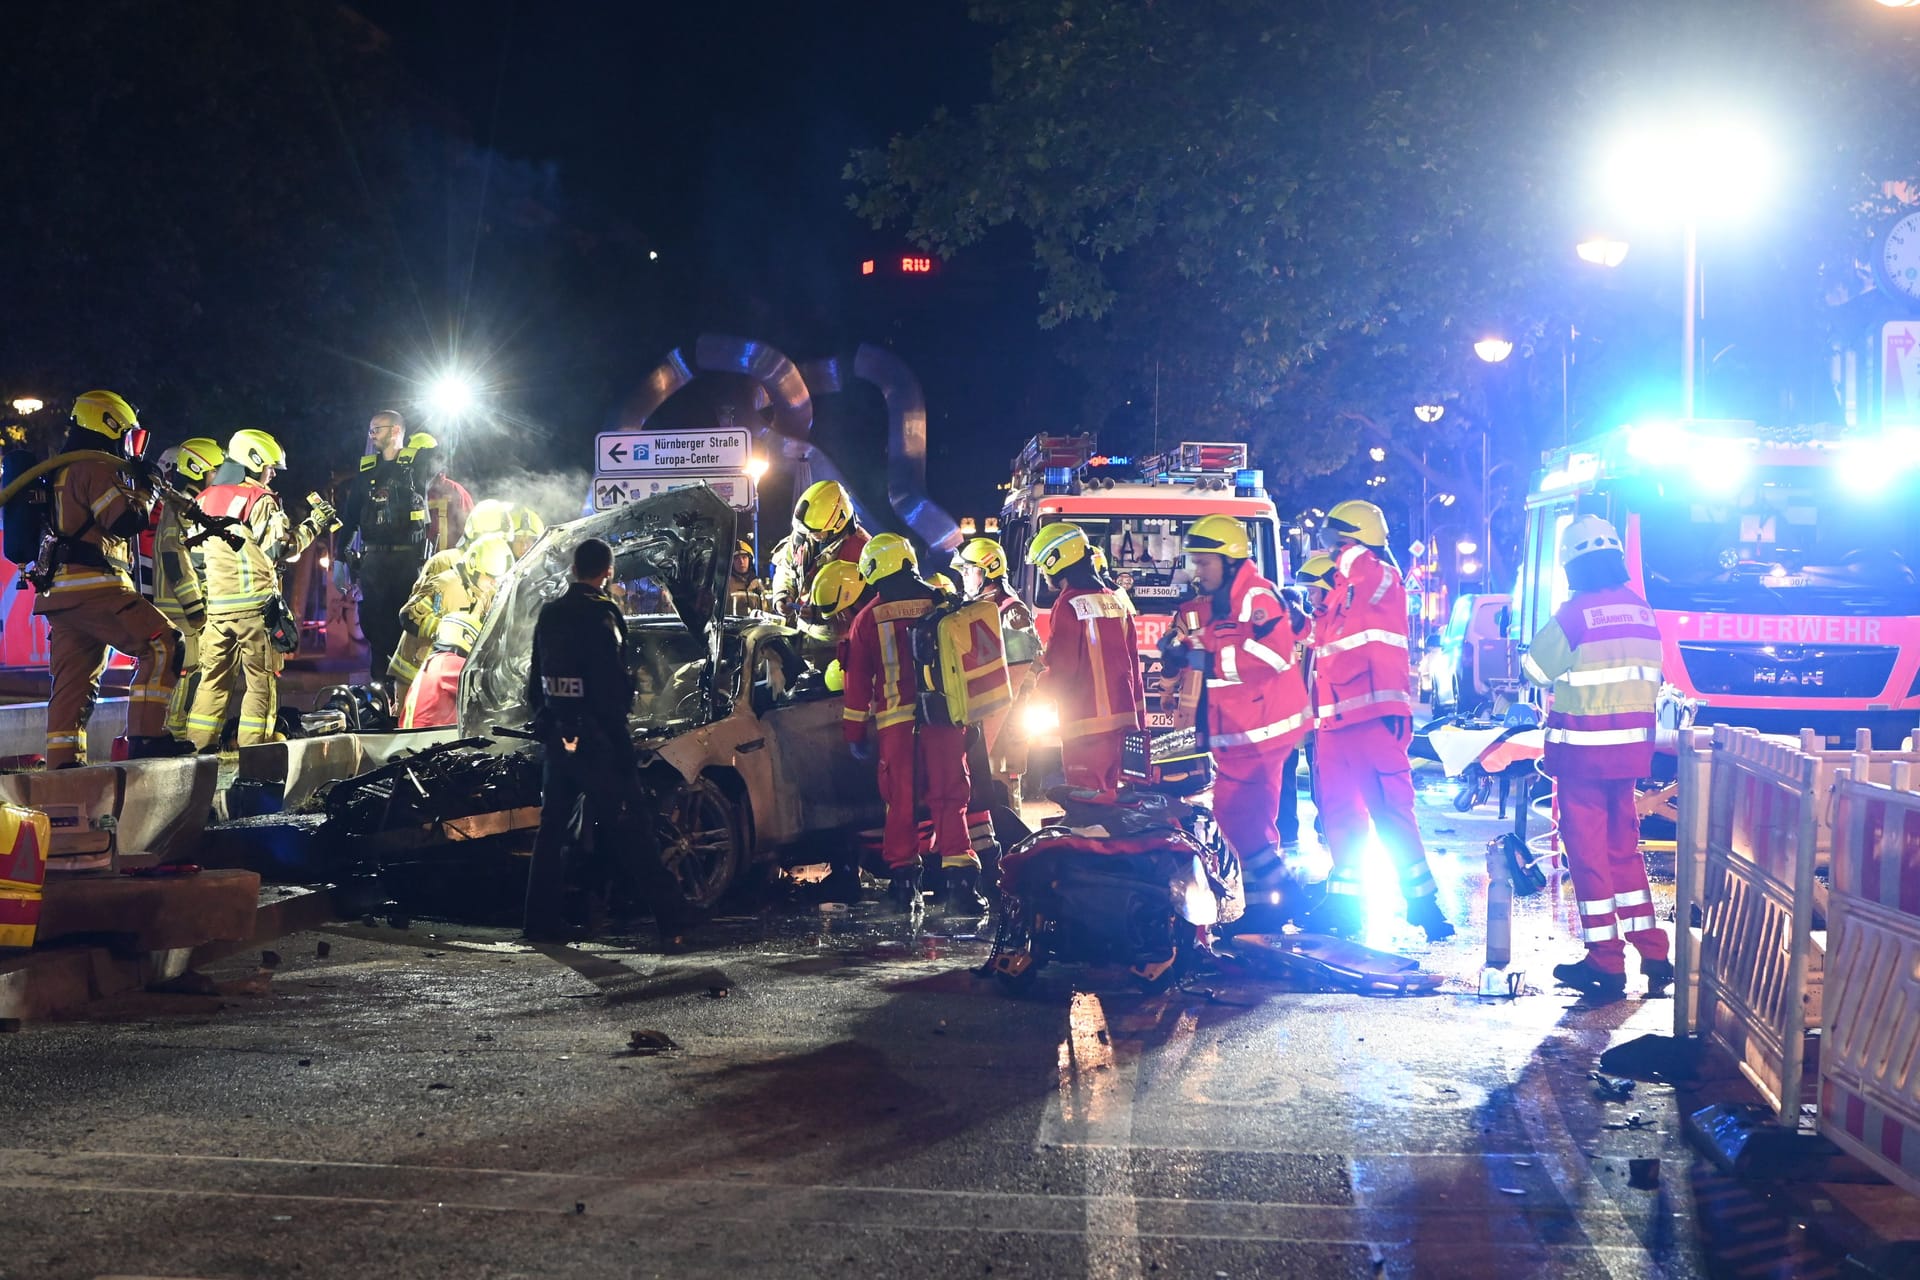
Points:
(1779, 564)
(1137, 511)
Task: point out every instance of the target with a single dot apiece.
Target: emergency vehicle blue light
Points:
(1059, 475)
(1251, 478)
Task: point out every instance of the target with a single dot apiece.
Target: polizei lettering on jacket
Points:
(1780, 630)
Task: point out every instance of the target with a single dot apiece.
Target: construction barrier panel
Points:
(1756, 901)
(1870, 1049)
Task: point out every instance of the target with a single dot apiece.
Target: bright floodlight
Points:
(756, 468)
(27, 404)
(1901, 4)
(451, 396)
(1602, 252)
(1429, 412)
(1709, 166)
(1493, 350)
(1377, 453)
(1466, 546)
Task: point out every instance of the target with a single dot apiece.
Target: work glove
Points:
(1400, 727)
(140, 473)
(196, 617)
(862, 749)
(323, 515)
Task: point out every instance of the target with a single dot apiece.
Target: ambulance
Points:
(1780, 564)
(1137, 511)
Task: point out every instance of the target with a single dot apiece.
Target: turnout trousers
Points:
(1601, 830)
(925, 764)
(1246, 801)
(1364, 786)
(228, 643)
(78, 640)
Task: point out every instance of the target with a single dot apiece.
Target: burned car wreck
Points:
(741, 762)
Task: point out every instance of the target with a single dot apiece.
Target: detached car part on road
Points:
(741, 759)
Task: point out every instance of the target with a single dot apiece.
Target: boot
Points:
(1425, 912)
(1659, 976)
(903, 891)
(1338, 915)
(963, 893)
(162, 746)
(1584, 975)
(841, 885)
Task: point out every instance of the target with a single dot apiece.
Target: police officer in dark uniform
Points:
(581, 691)
(387, 507)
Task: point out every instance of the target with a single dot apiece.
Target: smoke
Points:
(558, 496)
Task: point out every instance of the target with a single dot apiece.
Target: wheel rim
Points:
(697, 844)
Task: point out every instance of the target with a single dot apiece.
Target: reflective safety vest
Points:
(1601, 655)
(242, 581)
(1256, 691)
(882, 684)
(89, 499)
(176, 576)
(1360, 669)
(1093, 664)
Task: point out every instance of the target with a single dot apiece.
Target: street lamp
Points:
(451, 396)
(1429, 413)
(1602, 252)
(1493, 350)
(27, 404)
(1689, 170)
(756, 472)
(1466, 546)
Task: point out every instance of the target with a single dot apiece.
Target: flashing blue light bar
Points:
(1250, 478)
(1059, 475)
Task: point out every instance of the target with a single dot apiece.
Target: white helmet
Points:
(1586, 535)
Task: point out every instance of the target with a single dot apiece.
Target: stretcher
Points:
(1345, 964)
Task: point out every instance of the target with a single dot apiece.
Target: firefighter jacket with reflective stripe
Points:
(796, 563)
(433, 699)
(96, 513)
(1360, 669)
(1601, 655)
(452, 590)
(448, 504)
(882, 684)
(242, 581)
(1093, 664)
(578, 682)
(1256, 691)
(176, 575)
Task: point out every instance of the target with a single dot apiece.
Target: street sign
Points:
(714, 452)
(616, 491)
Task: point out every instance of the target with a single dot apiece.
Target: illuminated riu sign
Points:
(910, 265)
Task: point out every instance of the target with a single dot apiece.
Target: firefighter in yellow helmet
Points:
(824, 530)
(466, 587)
(243, 592)
(1092, 662)
(997, 748)
(745, 591)
(839, 593)
(448, 502)
(180, 563)
(89, 599)
(434, 697)
(520, 526)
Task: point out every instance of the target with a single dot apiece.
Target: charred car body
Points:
(741, 763)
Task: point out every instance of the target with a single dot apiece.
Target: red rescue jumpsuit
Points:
(433, 699)
(918, 762)
(1363, 706)
(1093, 677)
(1256, 714)
(1601, 654)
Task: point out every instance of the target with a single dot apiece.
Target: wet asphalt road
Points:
(838, 1101)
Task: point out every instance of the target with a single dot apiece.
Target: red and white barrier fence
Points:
(1870, 1050)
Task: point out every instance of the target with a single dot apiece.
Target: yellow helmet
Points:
(1360, 522)
(1219, 536)
(1098, 555)
(885, 555)
(489, 556)
(942, 583)
(1315, 571)
(458, 632)
(421, 440)
(823, 510)
(836, 677)
(836, 588)
(1058, 545)
(743, 548)
(105, 413)
(198, 458)
(983, 554)
(525, 520)
(256, 451)
(489, 515)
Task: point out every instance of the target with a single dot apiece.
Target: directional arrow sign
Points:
(615, 491)
(715, 452)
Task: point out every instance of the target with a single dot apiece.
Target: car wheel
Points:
(702, 841)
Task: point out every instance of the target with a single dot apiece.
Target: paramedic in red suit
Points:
(1363, 707)
(1242, 637)
(919, 763)
(1600, 654)
(1092, 663)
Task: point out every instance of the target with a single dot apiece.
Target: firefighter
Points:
(581, 690)
(1243, 639)
(466, 587)
(1091, 665)
(1363, 696)
(386, 508)
(91, 605)
(1600, 654)
(448, 502)
(434, 697)
(744, 588)
(1311, 582)
(243, 592)
(824, 530)
(982, 566)
(839, 593)
(919, 763)
(180, 569)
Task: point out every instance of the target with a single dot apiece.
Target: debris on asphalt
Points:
(1643, 1175)
(306, 1062)
(323, 949)
(579, 1206)
(269, 959)
(483, 1037)
(1611, 1088)
(1513, 1191)
(1634, 1121)
(1654, 1057)
(646, 1042)
(439, 1084)
(719, 993)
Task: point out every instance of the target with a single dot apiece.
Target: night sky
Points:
(720, 132)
